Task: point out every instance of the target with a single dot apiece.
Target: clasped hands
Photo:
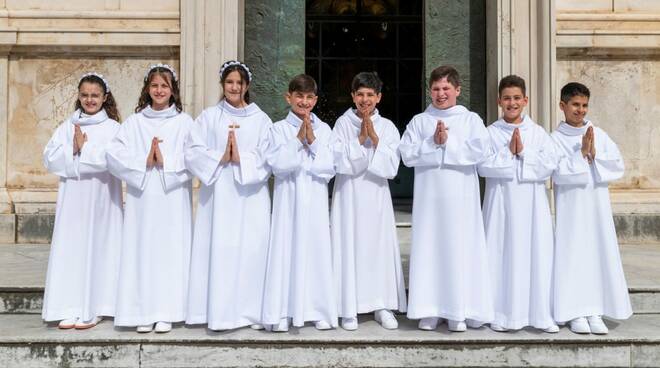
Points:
(79, 139)
(588, 147)
(516, 146)
(306, 132)
(231, 149)
(155, 157)
(367, 130)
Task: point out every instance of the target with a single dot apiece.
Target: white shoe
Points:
(83, 325)
(162, 327)
(473, 323)
(283, 326)
(68, 323)
(552, 329)
(597, 325)
(349, 323)
(257, 326)
(322, 325)
(579, 326)
(498, 328)
(386, 319)
(145, 328)
(428, 324)
(456, 326)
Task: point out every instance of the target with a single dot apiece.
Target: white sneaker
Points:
(473, 323)
(552, 329)
(428, 324)
(456, 326)
(386, 319)
(597, 325)
(283, 326)
(322, 325)
(349, 323)
(68, 323)
(579, 326)
(145, 328)
(83, 325)
(257, 326)
(498, 328)
(162, 327)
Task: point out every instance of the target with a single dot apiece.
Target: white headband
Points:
(100, 76)
(160, 65)
(234, 62)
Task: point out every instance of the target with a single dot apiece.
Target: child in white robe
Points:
(588, 277)
(81, 281)
(517, 214)
(448, 265)
(366, 256)
(147, 153)
(226, 150)
(299, 279)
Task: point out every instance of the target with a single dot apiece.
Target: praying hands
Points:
(79, 139)
(155, 157)
(306, 132)
(588, 147)
(516, 146)
(367, 131)
(441, 133)
(231, 149)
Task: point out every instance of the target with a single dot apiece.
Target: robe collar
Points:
(568, 129)
(525, 124)
(160, 114)
(80, 118)
(452, 111)
(248, 110)
(294, 120)
(352, 116)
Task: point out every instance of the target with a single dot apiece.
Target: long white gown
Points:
(519, 225)
(299, 279)
(588, 275)
(157, 236)
(81, 281)
(448, 265)
(232, 221)
(366, 255)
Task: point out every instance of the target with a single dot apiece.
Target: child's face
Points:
(365, 100)
(575, 110)
(160, 91)
(513, 102)
(91, 97)
(234, 88)
(301, 103)
(444, 94)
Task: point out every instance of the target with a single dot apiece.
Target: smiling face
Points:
(513, 102)
(234, 88)
(365, 100)
(91, 97)
(575, 110)
(444, 94)
(160, 91)
(301, 103)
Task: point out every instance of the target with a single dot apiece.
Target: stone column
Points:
(7, 217)
(521, 40)
(211, 33)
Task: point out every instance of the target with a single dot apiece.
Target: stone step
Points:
(23, 274)
(27, 342)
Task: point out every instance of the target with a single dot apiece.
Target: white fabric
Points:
(232, 221)
(157, 236)
(366, 256)
(81, 280)
(448, 265)
(299, 279)
(519, 225)
(588, 275)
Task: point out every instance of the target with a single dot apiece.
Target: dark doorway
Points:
(344, 37)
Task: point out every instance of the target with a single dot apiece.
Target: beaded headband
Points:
(160, 65)
(234, 62)
(100, 76)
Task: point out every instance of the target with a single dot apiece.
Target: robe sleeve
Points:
(174, 172)
(323, 164)
(608, 164)
(469, 151)
(58, 155)
(285, 154)
(538, 162)
(571, 169)
(253, 167)
(351, 157)
(417, 151)
(385, 161)
(124, 163)
(200, 159)
(499, 163)
(93, 156)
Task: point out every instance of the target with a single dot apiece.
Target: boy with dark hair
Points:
(517, 215)
(299, 283)
(588, 280)
(448, 265)
(366, 256)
